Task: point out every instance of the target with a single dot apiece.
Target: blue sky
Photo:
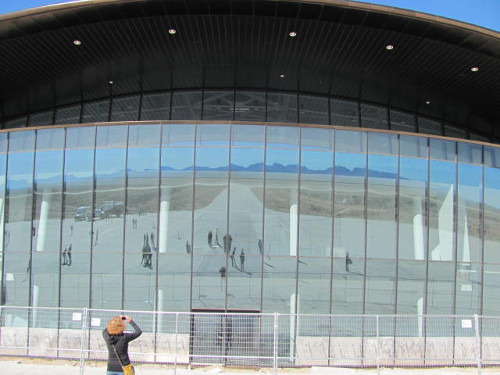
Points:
(484, 13)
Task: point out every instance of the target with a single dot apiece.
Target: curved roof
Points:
(339, 50)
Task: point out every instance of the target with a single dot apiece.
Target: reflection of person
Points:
(242, 259)
(210, 237)
(134, 223)
(188, 247)
(217, 237)
(146, 254)
(348, 262)
(96, 239)
(227, 240)
(65, 256)
(70, 247)
(260, 244)
(117, 342)
(233, 262)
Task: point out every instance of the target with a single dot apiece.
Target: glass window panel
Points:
(313, 109)
(250, 106)
(315, 222)
(245, 219)
(344, 113)
(41, 118)
(380, 143)
(411, 287)
(107, 286)
(468, 292)
(155, 106)
(281, 201)
(47, 208)
(96, 111)
(470, 153)
(281, 107)
(109, 210)
(469, 215)
(454, 131)
(186, 105)
(209, 285)
(317, 139)
(412, 227)
(18, 216)
(349, 210)
(491, 285)
(282, 137)
(381, 206)
(374, 117)
(139, 284)
(440, 287)
(350, 141)
(442, 187)
(212, 135)
(15, 123)
(141, 222)
(402, 121)
(279, 287)
(348, 285)
(491, 215)
(125, 108)
(174, 284)
(248, 136)
(218, 105)
(176, 200)
(314, 285)
(492, 156)
(77, 217)
(428, 126)
(244, 279)
(380, 286)
(442, 150)
(211, 192)
(413, 146)
(68, 115)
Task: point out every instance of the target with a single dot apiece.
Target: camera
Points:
(123, 317)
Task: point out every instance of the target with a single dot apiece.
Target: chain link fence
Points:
(258, 340)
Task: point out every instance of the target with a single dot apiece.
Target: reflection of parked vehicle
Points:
(112, 208)
(84, 213)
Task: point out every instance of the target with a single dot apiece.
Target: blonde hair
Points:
(115, 326)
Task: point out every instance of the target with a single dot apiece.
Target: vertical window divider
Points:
(227, 214)
(92, 221)
(127, 144)
(195, 148)
(263, 218)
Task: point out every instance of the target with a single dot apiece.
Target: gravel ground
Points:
(27, 366)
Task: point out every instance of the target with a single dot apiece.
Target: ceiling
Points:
(339, 49)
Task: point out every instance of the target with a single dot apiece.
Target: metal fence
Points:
(258, 340)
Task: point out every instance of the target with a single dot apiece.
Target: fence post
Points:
(275, 343)
(478, 342)
(84, 340)
(176, 335)
(378, 345)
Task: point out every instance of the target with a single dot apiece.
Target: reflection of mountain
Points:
(257, 167)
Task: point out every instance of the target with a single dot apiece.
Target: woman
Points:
(117, 342)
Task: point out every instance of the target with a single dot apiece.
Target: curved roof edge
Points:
(81, 4)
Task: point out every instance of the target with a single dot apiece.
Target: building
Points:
(270, 156)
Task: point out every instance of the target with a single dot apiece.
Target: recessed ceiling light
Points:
(389, 47)
(77, 42)
(292, 34)
(110, 82)
(282, 76)
(172, 31)
(427, 102)
(474, 69)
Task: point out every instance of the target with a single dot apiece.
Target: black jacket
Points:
(121, 344)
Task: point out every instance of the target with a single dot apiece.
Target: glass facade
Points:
(289, 219)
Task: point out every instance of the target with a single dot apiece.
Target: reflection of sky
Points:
(350, 161)
(79, 163)
(317, 160)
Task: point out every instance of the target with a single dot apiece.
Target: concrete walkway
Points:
(27, 366)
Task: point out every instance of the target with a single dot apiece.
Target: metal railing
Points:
(258, 340)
